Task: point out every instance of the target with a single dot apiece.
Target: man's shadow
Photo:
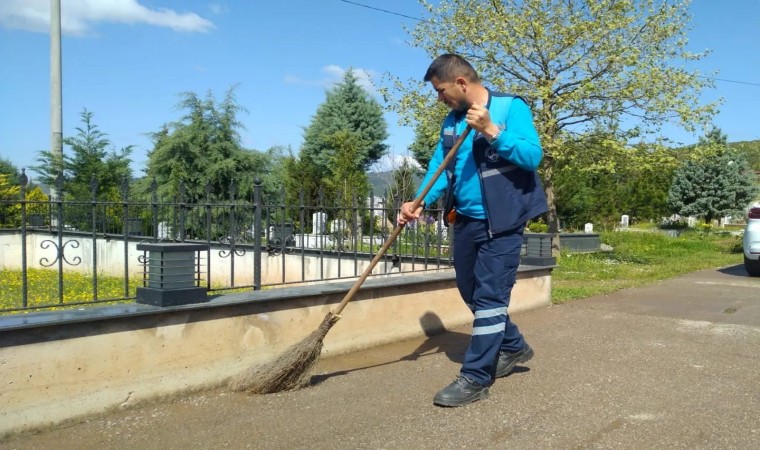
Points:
(443, 341)
(439, 340)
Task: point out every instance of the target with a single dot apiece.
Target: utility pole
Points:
(56, 102)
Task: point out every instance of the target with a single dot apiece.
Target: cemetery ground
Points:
(639, 257)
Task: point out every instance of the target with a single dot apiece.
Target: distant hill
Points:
(382, 181)
(750, 149)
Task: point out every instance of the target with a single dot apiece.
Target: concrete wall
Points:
(60, 365)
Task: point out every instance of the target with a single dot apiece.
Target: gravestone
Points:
(691, 222)
(588, 228)
(378, 209)
(338, 226)
(319, 219)
(624, 221)
(164, 231)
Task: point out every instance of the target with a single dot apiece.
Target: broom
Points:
(291, 370)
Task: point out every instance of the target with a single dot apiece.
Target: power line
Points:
(422, 20)
(730, 81)
(382, 10)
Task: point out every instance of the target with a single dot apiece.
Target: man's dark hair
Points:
(448, 67)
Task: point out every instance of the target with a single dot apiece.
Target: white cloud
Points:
(334, 75)
(78, 17)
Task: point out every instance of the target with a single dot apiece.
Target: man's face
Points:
(451, 93)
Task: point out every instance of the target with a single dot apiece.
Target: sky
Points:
(127, 61)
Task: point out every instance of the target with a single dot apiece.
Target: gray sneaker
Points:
(461, 392)
(507, 361)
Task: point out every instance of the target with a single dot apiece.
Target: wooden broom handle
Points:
(396, 231)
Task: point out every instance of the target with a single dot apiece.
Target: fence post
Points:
(257, 234)
(181, 206)
(125, 229)
(321, 207)
(24, 282)
(154, 207)
(284, 211)
(208, 233)
(59, 225)
(232, 231)
(303, 235)
(94, 220)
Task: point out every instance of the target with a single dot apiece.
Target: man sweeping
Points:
(492, 191)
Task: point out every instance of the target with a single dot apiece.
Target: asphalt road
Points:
(672, 365)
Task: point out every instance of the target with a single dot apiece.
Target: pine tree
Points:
(92, 159)
(8, 168)
(203, 148)
(347, 107)
(717, 185)
(347, 184)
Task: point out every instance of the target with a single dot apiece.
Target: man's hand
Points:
(407, 215)
(479, 119)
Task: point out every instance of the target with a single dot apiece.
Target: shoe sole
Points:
(527, 356)
(479, 396)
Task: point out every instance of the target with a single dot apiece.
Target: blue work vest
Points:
(511, 195)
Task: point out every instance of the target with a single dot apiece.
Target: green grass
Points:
(640, 258)
(42, 285)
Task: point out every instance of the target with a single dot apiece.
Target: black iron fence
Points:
(63, 252)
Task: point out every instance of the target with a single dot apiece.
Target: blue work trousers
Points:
(486, 269)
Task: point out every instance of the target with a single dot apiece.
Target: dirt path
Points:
(670, 365)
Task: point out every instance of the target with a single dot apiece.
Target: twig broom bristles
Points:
(291, 370)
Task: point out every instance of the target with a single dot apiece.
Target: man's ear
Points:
(461, 82)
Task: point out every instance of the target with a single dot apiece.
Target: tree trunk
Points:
(552, 220)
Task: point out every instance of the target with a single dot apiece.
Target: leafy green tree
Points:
(91, 158)
(716, 185)
(582, 65)
(347, 107)
(9, 190)
(426, 136)
(606, 180)
(647, 182)
(38, 206)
